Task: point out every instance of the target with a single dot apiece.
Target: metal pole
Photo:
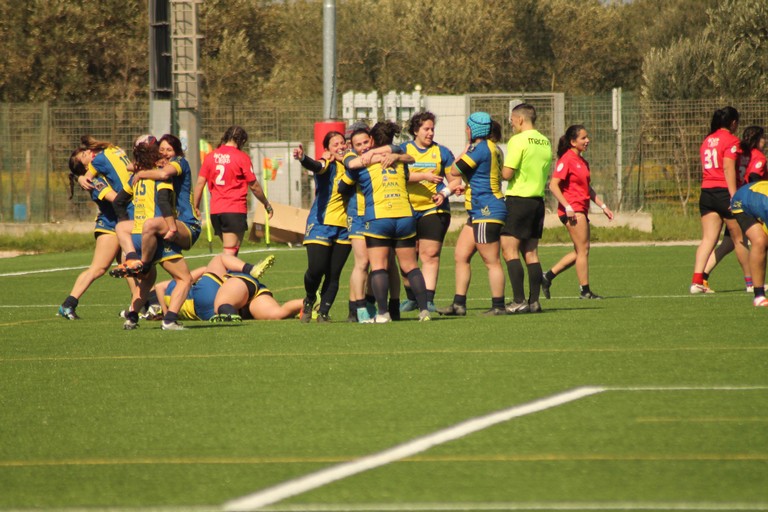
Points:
(329, 59)
(617, 128)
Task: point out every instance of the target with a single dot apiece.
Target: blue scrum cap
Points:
(479, 124)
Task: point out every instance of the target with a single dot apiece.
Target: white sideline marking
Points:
(554, 506)
(62, 269)
(323, 477)
(320, 478)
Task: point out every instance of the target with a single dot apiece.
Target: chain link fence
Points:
(653, 160)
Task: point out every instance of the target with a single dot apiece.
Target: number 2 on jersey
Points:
(219, 175)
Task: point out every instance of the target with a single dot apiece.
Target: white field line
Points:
(326, 476)
(193, 257)
(511, 506)
(445, 299)
(450, 507)
(323, 477)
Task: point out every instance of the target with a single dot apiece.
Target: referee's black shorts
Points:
(525, 217)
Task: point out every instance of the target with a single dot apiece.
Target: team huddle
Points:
(386, 203)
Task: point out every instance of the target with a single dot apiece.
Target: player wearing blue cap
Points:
(480, 168)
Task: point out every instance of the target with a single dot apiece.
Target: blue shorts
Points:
(194, 231)
(492, 210)
(324, 234)
(255, 287)
(396, 229)
(104, 224)
(201, 295)
(165, 251)
(356, 227)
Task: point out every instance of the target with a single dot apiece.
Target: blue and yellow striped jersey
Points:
(183, 188)
(385, 190)
(481, 169)
(145, 204)
(329, 206)
(434, 159)
(112, 163)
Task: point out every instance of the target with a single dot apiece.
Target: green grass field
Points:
(676, 418)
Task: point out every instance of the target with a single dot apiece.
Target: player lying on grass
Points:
(228, 289)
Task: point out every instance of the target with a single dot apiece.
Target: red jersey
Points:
(228, 171)
(755, 170)
(573, 172)
(715, 149)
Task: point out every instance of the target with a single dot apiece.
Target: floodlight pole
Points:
(329, 59)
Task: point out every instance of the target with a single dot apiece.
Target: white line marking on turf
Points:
(326, 476)
(686, 388)
(320, 478)
(437, 507)
(62, 269)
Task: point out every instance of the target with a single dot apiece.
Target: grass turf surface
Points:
(94, 416)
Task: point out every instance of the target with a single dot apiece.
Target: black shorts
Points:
(564, 219)
(745, 221)
(372, 241)
(433, 226)
(525, 217)
(486, 232)
(716, 200)
(229, 223)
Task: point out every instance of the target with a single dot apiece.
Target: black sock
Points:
(311, 284)
(170, 317)
(380, 285)
(497, 302)
(393, 306)
(705, 275)
(460, 300)
(133, 316)
(516, 279)
(759, 291)
(409, 293)
(534, 281)
(247, 268)
(550, 275)
(416, 278)
(430, 295)
(70, 302)
(227, 309)
(585, 289)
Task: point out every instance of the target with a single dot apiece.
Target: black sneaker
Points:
(306, 312)
(68, 313)
(352, 318)
(130, 325)
(545, 285)
(534, 307)
(223, 318)
(323, 318)
(589, 295)
(495, 311)
(453, 310)
(514, 308)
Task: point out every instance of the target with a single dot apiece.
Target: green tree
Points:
(62, 50)
(728, 59)
(591, 50)
(236, 49)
